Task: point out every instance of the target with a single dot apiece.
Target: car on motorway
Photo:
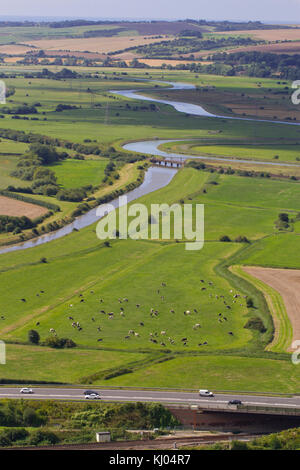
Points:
(26, 390)
(205, 393)
(92, 395)
(235, 402)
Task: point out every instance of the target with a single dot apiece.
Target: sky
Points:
(235, 10)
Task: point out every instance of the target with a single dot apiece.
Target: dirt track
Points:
(287, 283)
(15, 208)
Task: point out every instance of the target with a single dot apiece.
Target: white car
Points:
(205, 393)
(26, 390)
(92, 396)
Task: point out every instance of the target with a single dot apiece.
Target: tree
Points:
(284, 217)
(33, 337)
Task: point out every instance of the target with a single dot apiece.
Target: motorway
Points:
(164, 397)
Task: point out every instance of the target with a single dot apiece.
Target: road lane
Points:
(183, 398)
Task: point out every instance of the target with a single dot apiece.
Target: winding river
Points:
(155, 177)
(150, 147)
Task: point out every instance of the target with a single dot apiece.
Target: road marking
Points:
(141, 398)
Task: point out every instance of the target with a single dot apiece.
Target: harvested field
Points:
(159, 62)
(287, 283)
(15, 208)
(100, 44)
(15, 49)
(280, 48)
(267, 35)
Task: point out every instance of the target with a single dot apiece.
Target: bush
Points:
(225, 238)
(256, 323)
(32, 418)
(33, 337)
(15, 434)
(45, 437)
(59, 343)
(241, 239)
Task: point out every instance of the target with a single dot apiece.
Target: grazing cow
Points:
(163, 333)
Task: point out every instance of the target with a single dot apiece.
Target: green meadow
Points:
(280, 153)
(76, 173)
(150, 313)
(220, 373)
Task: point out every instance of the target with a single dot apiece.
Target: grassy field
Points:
(276, 251)
(76, 173)
(40, 363)
(217, 373)
(140, 283)
(219, 352)
(10, 151)
(282, 153)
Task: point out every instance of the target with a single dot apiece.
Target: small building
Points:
(103, 436)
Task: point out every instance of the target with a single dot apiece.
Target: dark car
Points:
(91, 392)
(234, 402)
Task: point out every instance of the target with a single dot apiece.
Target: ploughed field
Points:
(15, 208)
(287, 283)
